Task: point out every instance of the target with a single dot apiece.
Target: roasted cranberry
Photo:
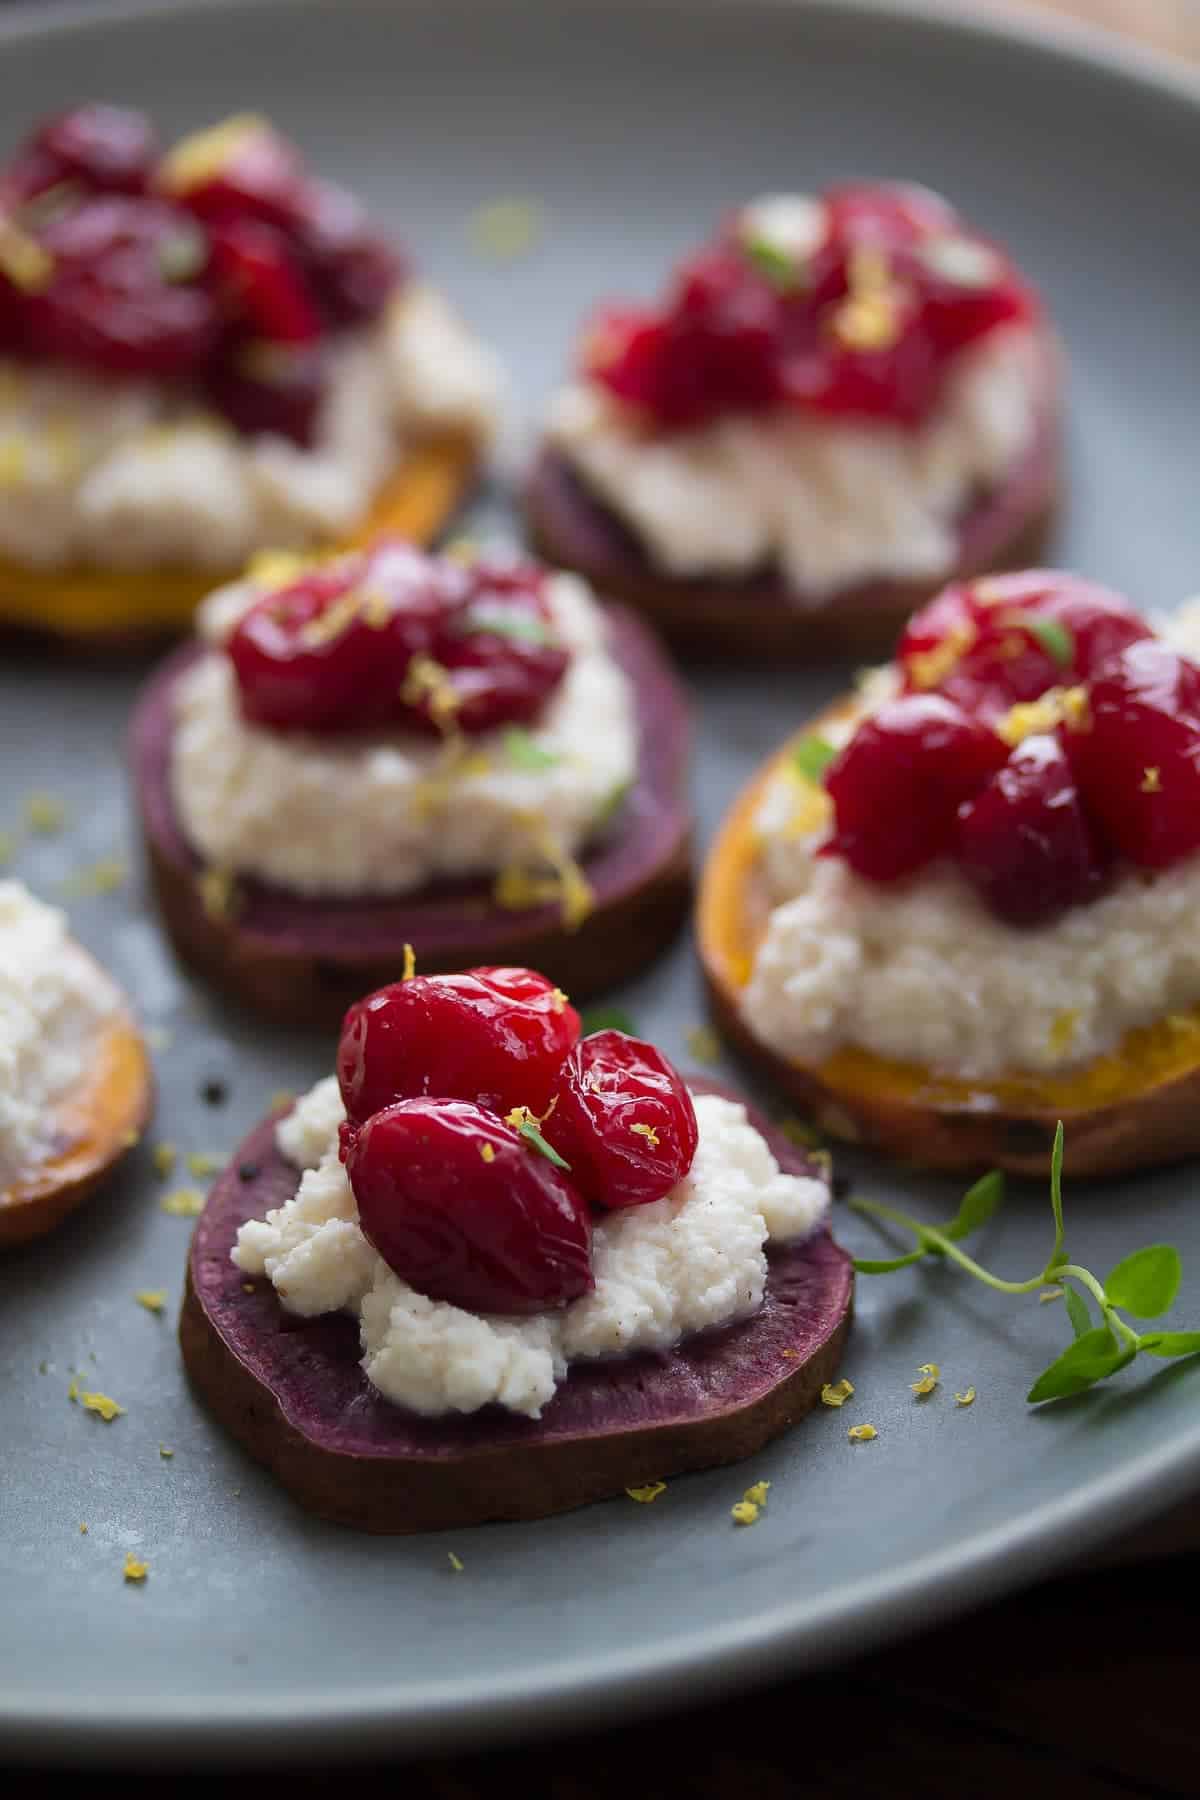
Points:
(501, 653)
(624, 1121)
(466, 1211)
(353, 272)
(497, 1036)
(898, 784)
(239, 169)
(113, 300)
(1138, 764)
(107, 149)
(329, 652)
(262, 283)
(265, 389)
(1025, 843)
(988, 644)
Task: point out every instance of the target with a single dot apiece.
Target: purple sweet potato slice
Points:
(756, 619)
(292, 1392)
(304, 961)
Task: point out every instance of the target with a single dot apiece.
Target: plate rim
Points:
(637, 1680)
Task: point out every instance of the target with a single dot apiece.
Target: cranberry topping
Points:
(223, 265)
(897, 785)
(466, 1211)
(623, 1119)
(988, 644)
(1139, 763)
(862, 320)
(335, 651)
(1025, 843)
(495, 1036)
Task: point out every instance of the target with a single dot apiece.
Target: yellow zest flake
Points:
(249, 1287)
(83, 1530)
(410, 963)
(1151, 780)
(218, 892)
(201, 156)
(517, 888)
(102, 877)
(13, 463)
(183, 1203)
(276, 568)
(925, 1386)
(202, 1163)
(929, 668)
(744, 1512)
(929, 1369)
(45, 813)
(791, 1355)
(644, 1495)
(73, 1390)
(164, 1159)
(426, 679)
(703, 1043)
(153, 1299)
(861, 1434)
(101, 1404)
(836, 1393)
(334, 622)
(1048, 1294)
(165, 1451)
(1056, 706)
(557, 999)
(488, 1153)
(1063, 1029)
(757, 1494)
(967, 1399)
(27, 263)
(648, 1132)
(506, 228)
(456, 1562)
(869, 316)
(133, 1569)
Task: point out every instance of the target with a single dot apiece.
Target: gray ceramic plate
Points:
(260, 1632)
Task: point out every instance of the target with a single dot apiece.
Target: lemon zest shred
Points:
(488, 1153)
(966, 1399)
(410, 963)
(183, 1203)
(83, 1530)
(756, 1494)
(133, 1570)
(73, 1390)
(836, 1393)
(164, 1159)
(104, 876)
(703, 1043)
(218, 891)
(165, 1451)
(101, 1404)
(26, 262)
(517, 888)
(925, 1386)
(276, 568)
(1057, 706)
(929, 1369)
(153, 1299)
(557, 999)
(456, 1562)
(45, 813)
(744, 1512)
(929, 668)
(648, 1132)
(1063, 1029)
(201, 1163)
(201, 155)
(1152, 780)
(647, 1493)
(861, 1434)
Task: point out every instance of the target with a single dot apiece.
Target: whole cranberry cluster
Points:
(863, 323)
(482, 1132)
(389, 636)
(1042, 734)
(222, 264)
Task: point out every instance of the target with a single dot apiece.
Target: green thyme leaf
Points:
(865, 1265)
(780, 269)
(529, 1131)
(1171, 1343)
(606, 1018)
(508, 622)
(1146, 1281)
(1077, 1312)
(524, 752)
(812, 756)
(1056, 1163)
(1056, 640)
(1090, 1358)
(181, 256)
(978, 1205)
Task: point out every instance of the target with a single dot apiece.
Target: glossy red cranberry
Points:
(1138, 765)
(106, 149)
(255, 174)
(1009, 638)
(1025, 843)
(624, 1120)
(269, 390)
(496, 1036)
(353, 273)
(329, 652)
(114, 300)
(898, 784)
(500, 651)
(466, 1211)
(262, 283)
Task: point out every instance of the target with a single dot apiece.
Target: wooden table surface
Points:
(1081, 1686)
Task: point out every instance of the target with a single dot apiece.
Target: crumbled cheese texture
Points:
(127, 475)
(694, 1259)
(830, 502)
(921, 972)
(53, 1004)
(389, 812)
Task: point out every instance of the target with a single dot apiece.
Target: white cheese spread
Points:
(692, 1260)
(53, 1001)
(921, 972)
(830, 502)
(389, 812)
(122, 474)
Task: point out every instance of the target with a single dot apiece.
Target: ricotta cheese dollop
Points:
(52, 1002)
(387, 812)
(122, 474)
(921, 972)
(695, 1259)
(830, 502)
